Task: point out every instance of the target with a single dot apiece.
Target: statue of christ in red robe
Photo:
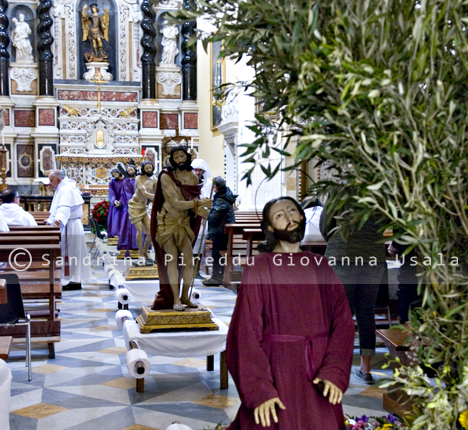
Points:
(291, 337)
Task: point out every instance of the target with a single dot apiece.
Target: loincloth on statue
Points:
(137, 211)
(178, 228)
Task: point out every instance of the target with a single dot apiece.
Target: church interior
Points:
(89, 90)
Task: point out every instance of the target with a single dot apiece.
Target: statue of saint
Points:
(145, 187)
(96, 28)
(20, 39)
(169, 43)
(176, 216)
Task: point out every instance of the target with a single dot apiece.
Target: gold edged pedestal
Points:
(199, 318)
(143, 272)
(112, 241)
(134, 254)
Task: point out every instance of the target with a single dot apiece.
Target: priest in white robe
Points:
(3, 225)
(12, 212)
(66, 212)
(201, 169)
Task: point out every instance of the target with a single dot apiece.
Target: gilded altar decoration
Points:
(95, 28)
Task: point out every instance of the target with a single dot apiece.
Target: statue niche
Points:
(95, 28)
(97, 23)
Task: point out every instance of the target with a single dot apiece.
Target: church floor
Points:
(87, 385)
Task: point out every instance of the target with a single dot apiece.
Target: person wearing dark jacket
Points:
(221, 213)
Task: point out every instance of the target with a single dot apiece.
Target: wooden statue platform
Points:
(134, 254)
(112, 241)
(199, 318)
(142, 273)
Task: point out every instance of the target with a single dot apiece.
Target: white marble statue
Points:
(169, 41)
(20, 39)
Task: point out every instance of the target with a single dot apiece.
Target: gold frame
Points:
(214, 126)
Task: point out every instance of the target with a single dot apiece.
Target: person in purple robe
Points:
(114, 219)
(127, 235)
(291, 337)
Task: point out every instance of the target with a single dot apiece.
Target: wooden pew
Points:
(237, 247)
(43, 228)
(3, 292)
(42, 283)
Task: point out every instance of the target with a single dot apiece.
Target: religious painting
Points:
(46, 159)
(25, 161)
(218, 78)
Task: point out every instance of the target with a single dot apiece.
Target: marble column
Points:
(149, 51)
(189, 59)
(46, 79)
(4, 55)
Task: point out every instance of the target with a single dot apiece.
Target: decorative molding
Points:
(169, 80)
(96, 68)
(70, 38)
(23, 77)
(168, 4)
(58, 12)
(124, 16)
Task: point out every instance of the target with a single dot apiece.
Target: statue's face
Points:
(21, 17)
(180, 157)
(199, 173)
(131, 171)
(116, 175)
(285, 216)
(94, 9)
(148, 169)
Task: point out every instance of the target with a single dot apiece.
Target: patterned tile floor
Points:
(87, 385)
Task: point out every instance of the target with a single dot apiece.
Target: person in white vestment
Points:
(12, 212)
(201, 169)
(3, 225)
(66, 212)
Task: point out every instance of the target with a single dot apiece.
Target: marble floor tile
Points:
(39, 410)
(122, 383)
(46, 369)
(218, 401)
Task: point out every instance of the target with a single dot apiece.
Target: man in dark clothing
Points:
(221, 213)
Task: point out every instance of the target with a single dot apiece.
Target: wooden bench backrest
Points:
(33, 228)
(28, 239)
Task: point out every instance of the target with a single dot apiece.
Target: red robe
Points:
(290, 325)
(164, 298)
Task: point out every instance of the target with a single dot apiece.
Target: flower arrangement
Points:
(100, 213)
(374, 423)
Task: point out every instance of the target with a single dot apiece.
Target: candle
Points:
(3, 140)
(191, 143)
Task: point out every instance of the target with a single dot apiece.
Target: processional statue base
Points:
(141, 273)
(164, 319)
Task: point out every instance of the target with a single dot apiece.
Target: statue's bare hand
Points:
(335, 395)
(262, 412)
(208, 203)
